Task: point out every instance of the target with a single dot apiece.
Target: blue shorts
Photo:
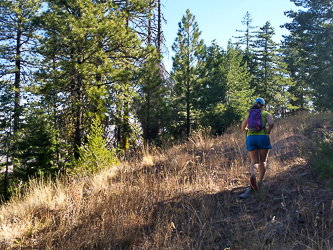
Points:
(257, 141)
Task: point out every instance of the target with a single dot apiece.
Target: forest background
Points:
(83, 82)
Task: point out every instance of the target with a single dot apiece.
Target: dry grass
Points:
(184, 197)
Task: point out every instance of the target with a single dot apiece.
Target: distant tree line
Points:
(66, 64)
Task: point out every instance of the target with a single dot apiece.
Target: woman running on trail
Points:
(258, 143)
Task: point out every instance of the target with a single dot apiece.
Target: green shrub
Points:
(35, 147)
(94, 155)
(323, 157)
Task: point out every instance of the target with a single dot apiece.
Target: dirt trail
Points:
(293, 210)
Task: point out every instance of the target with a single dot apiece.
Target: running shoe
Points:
(253, 183)
(246, 193)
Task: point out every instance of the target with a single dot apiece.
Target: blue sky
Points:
(219, 19)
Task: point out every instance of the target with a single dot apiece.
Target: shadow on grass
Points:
(290, 211)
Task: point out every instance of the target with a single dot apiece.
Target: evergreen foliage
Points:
(301, 88)
(94, 155)
(89, 56)
(249, 36)
(17, 36)
(323, 158)
(239, 92)
(6, 132)
(311, 36)
(76, 72)
(212, 87)
(272, 79)
(35, 147)
(186, 64)
(151, 104)
(248, 40)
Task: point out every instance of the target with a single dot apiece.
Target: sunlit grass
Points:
(182, 197)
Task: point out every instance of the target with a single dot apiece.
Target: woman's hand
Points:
(244, 125)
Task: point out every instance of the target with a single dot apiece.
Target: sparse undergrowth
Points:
(184, 197)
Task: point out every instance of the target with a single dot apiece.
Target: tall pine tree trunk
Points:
(188, 86)
(55, 115)
(126, 126)
(79, 116)
(119, 107)
(159, 28)
(147, 134)
(125, 123)
(188, 109)
(17, 82)
(188, 99)
(5, 183)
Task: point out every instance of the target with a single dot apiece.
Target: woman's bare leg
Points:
(254, 155)
(263, 155)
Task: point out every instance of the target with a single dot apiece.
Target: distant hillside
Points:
(185, 197)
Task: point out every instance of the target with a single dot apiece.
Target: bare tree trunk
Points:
(159, 28)
(188, 110)
(79, 116)
(5, 183)
(17, 82)
(55, 115)
(147, 134)
(6, 178)
(118, 129)
(188, 87)
(126, 126)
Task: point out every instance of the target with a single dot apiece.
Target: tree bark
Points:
(17, 81)
(159, 28)
(79, 116)
(5, 183)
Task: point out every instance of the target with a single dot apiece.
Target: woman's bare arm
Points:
(244, 125)
(270, 123)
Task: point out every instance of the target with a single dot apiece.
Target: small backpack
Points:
(254, 121)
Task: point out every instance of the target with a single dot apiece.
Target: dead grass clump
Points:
(182, 197)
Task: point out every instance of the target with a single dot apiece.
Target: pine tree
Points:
(6, 130)
(78, 36)
(248, 40)
(151, 104)
(249, 36)
(94, 155)
(36, 146)
(212, 87)
(224, 94)
(301, 89)
(239, 92)
(311, 35)
(17, 36)
(147, 26)
(272, 79)
(187, 48)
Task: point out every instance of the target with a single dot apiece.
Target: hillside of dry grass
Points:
(184, 197)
